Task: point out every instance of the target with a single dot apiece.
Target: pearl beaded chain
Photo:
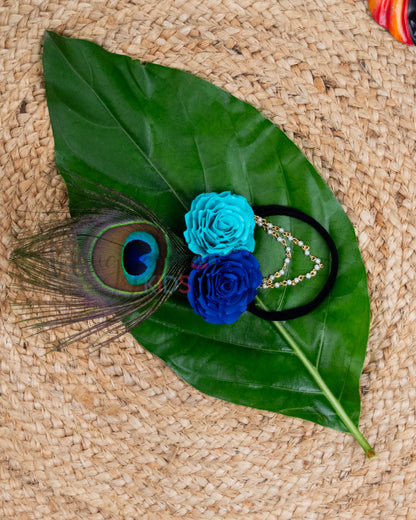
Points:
(269, 282)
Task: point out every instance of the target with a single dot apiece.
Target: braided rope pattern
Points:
(117, 435)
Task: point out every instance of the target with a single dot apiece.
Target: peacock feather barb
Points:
(113, 263)
(397, 16)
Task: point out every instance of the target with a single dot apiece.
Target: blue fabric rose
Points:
(219, 223)
(221, 287)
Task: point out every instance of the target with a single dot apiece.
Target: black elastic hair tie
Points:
(297, 312)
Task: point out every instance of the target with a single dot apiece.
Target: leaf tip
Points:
(48, 34)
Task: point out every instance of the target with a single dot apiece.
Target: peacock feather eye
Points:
(139, 257)
(129, 257)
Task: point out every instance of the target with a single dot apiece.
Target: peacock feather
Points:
(114, 263)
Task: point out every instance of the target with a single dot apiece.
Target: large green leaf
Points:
(163, 136)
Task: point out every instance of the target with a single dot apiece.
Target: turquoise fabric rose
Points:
(219, 223)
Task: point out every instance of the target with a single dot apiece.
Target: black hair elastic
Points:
(297, 312)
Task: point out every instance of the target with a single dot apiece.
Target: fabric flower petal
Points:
(219, 223)
(221, 286)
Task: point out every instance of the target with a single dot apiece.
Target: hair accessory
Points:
(270, 282)
(220, 289)
(296, 312)
(116, 260)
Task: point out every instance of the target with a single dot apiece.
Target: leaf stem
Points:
(352, 428)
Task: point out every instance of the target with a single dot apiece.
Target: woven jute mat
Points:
(116, 434)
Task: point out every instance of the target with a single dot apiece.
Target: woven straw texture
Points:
(116, 434)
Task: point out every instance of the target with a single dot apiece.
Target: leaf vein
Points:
(249, 384)
(170, 325)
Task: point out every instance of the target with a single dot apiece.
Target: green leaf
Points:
(163, 136)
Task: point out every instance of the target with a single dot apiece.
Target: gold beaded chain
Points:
(272, 281)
